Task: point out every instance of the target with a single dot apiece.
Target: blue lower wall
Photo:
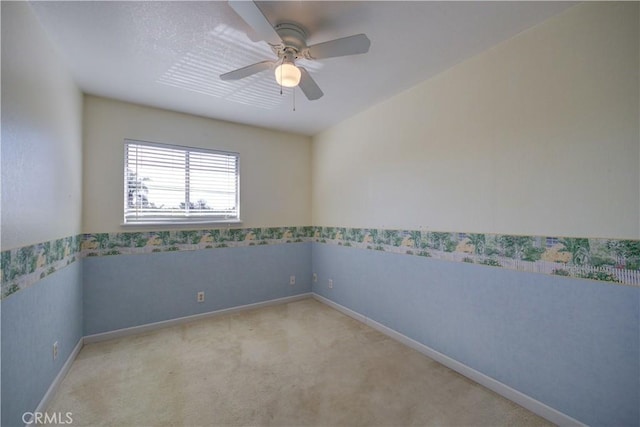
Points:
(32, 320)
(130, 290)
(572, 344)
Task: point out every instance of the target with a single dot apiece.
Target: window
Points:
(174, 184)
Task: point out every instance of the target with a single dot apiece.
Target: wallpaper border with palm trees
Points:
(611, 260)
(22, 267)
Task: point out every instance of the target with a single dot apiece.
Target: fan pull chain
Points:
(294, 98)
(281, 80)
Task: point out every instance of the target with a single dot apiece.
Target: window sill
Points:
(169, 224)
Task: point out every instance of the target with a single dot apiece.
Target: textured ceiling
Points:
(170, 54)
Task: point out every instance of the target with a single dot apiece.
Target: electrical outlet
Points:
(330, 283)
(201, 296)
(55, 350)
(315, 277)
(292, 280)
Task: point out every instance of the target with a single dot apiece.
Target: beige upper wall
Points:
(275, 179)
(538, 135)
(41, 135)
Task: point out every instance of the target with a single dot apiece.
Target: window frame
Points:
(185, 218)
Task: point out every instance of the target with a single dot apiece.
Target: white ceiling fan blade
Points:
(253, 16)
(352, 45)
(309, 86)
(247, 71)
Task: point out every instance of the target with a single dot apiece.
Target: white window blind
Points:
(168, 183)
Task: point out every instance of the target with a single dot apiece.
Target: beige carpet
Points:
(296, 364)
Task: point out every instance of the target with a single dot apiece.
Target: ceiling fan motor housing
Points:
(293, 40)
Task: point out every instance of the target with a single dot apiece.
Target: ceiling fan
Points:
(288, 42)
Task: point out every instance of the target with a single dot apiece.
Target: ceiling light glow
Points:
(287, 75)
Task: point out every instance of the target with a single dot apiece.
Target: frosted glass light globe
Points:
(287, 75)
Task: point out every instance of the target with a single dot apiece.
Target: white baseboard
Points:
(118, 333)
(51, 391)
(504, 390)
